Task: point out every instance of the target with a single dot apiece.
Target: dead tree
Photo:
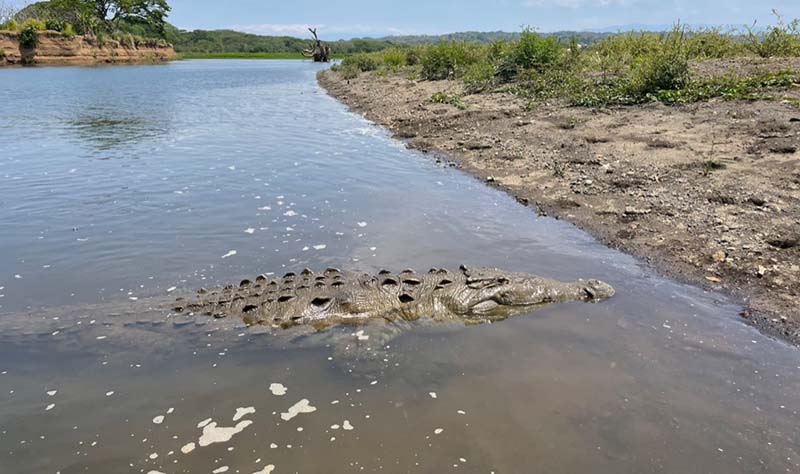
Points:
(321, 53)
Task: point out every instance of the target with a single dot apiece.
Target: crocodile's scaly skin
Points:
(332, 297)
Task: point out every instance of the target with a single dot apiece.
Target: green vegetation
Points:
(622, 69)
(139, 19)
(443, 98)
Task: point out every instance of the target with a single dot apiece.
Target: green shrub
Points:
(68, 31)
(10, 25)
(360, 63)
(781, 40)
(664, 69)
(394, 58)
(412, 57)
(479, 77)
(533, 51)
(2, 54)
(29, 37)
(448, 60)
(445, 98)
(712, 44)
(55, 25)
(32, 23)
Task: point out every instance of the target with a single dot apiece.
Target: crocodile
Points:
(332, 297)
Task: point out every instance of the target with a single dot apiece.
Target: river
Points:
(119, 184)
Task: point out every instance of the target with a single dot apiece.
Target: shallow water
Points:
(122, 183)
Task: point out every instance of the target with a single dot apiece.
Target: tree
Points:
(148, 12)
(109, 15)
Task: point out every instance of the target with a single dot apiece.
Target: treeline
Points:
(487, 37)
(227, 41)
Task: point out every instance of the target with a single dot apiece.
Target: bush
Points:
(533, 51)
(479, 77)
(29, 37)
(360, 63)
(394, 58)
(55, 25)
(68, 31)
(10, 25)
(712, 44)
(781, 40)
(664, 69)
(2, 54)
(444, 98)
(36, 25)
(448, 60)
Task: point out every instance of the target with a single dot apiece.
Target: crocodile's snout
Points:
(597, 290)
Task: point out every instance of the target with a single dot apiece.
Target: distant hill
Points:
(583, 37)
(228, 41)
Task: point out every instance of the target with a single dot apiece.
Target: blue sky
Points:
(347, 18)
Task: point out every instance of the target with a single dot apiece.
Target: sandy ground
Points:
(635, 177)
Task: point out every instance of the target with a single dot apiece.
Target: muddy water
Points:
(120, 184)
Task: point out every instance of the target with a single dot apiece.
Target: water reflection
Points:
(108, 129)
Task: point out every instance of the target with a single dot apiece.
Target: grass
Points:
(623, 69)
(449, 99)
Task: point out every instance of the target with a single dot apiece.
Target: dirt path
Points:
(708, 193)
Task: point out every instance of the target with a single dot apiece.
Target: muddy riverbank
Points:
(708, 193)
(56, 49)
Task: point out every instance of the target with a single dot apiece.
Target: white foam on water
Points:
(205, 422)
(50, 407)
(347, 426)
(361, 336)
(277, 389)
(230, 254)
(302, 406)
(213, 434)
(52, 393)
(250, 231)
(220, 470)
(320, 247)
(438, 431)
(242, 412)
(267, 469)
(158, 420)
(188, 448)
(362, 224)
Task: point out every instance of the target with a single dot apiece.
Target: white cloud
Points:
(273, 29)
(301, 30)
(577, 3)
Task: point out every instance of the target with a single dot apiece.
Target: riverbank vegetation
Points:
(622, 69)
(131, 23)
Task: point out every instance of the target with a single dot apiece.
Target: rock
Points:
(720, 256)
(761, 271)
(478, 146)
(490, 179)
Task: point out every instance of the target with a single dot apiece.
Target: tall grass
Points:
(622, 69)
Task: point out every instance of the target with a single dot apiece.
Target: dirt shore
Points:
(55, 49)
(708, 193)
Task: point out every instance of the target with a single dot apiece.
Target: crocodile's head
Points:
(495, 291)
